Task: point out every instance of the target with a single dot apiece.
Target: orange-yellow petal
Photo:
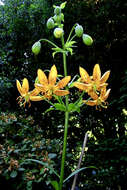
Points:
(52, 75)
(36, 98)
(93, 95)
(84, 75)
(41, 88)
(25, 85)
(105, 94)
(105, 77)
(96, 73)
(35, 92)
(61, 92)
(19, 87)
(82, 86)
(90, 102)
(42, 77)
(62, 83)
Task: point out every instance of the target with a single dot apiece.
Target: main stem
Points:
(66, 124)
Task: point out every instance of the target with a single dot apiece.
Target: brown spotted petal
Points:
(61, 92)
(84, 75)
(90, 102)
(82, 86)
(36, 98)
(19, 87)
(25, 85)
(52, 75)
(96, 73)
(62, 83)
(105, 94)
(105, 77)
(41, 88)
(42, 77)
(93, 95)
(35, 92)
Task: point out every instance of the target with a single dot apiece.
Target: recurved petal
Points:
(90, 102)
(19, 87)
(41, 88)
(105, 77)
(84, 75)
(61, 92)
(36, 98)
(96, 72)
(93, 95)
(35, 92)
(105, 94)
(82, 86)
(25, 85)
(42, 77)
(52, 75)
(62, 83)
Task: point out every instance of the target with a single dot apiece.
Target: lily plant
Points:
(51, 87)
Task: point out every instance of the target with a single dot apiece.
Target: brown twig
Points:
(80, 160)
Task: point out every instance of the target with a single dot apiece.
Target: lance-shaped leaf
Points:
(77, 171)
(55, 185)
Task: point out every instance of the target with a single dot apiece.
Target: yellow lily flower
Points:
(27, 96)
(94, 82)
(98, 100)
(48, 86)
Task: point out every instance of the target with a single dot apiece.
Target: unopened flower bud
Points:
(79, 30)
(87, 39)
(57, 10)
(36, 48)
(58, 32)
(50, 23)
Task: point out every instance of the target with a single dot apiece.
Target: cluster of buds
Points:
(87, 39)
(56, 21)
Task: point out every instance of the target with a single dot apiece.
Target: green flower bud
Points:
(36, 48)
(50, 23)
(79, 30)
(87, 39)
(57, 18)
(57, 10)
(58, 32)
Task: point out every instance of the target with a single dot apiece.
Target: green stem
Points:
(64, 150)
(45, 40)
(71, 32)
(66, 124)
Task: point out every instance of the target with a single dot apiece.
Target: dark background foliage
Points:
(24, 22)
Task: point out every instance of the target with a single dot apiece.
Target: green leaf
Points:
(62, 6)
(74, 107)
(60, 107)
(55, 185)
(13, 174)
(77, 171)
(54, 6)
(57, 50)
(70, 44)
(44, 164)
(70, 50)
